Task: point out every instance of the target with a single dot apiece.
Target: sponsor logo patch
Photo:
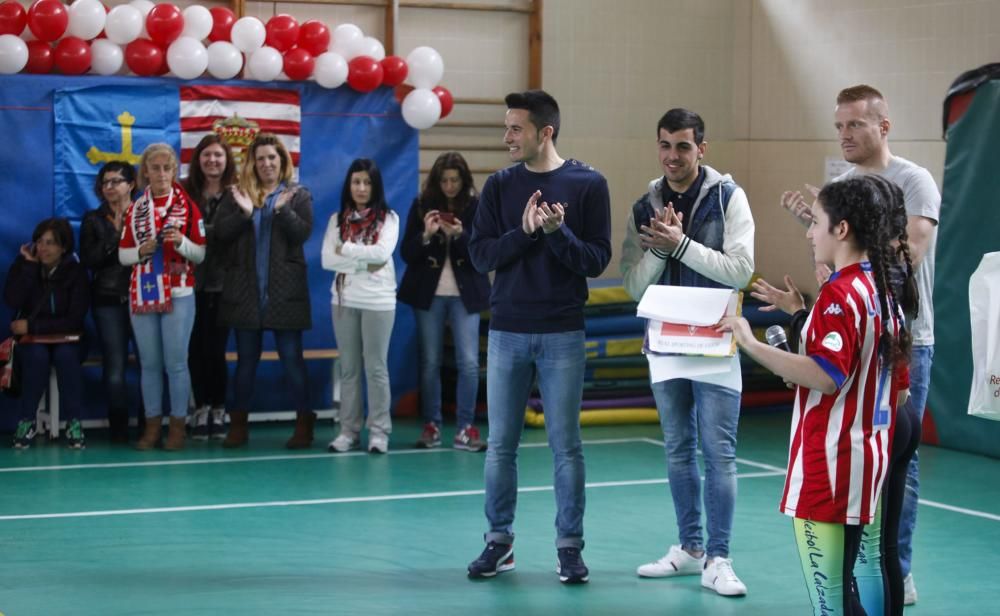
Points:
(834, 309)
(833, 341)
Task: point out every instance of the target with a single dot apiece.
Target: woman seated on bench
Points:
(48, 290)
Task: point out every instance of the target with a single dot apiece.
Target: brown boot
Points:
(238, 432)
(302, 438)
(150, 434)
(175, 437)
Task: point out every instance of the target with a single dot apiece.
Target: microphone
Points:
(776, 337)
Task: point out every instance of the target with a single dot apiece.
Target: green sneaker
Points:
(74, 435)
(25, 434)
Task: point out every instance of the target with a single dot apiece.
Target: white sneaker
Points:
(218, 430)
(720, 577)
(676, 562)
(909, 590)
(199, 424)
(343, 443)
(378, 443)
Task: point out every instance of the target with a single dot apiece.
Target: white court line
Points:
(330, 501)
(971, 512)
(312, 456)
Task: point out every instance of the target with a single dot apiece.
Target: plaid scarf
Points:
(150, 283)
(361, 227)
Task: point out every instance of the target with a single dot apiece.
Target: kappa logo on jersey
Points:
(833, 341)
(834, 309)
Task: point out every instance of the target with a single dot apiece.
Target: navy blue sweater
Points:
(541, 280)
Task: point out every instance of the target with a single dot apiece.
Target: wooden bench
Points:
(47, 415)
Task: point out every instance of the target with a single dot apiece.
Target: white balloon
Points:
(248, 34)
(265, 64)
(347, 40)
(13, 54)
(187, 57)
(224, 60)
(86, 19)
(425, 68)
(105, 57)
(197, 22)
(124, 24)
(331, 70)
(421, 108)
(371, 47)
(144, 7)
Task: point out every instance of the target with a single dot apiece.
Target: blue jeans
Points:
(36, 360)
(690, 410)
(513, 362)
(921, 358)
(465, 333)
(162, 338)
(289, 346)
(114, 331)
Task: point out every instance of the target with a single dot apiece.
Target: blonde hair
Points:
(155, 149)
(249, 182)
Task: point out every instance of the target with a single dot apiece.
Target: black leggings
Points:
(904, 444)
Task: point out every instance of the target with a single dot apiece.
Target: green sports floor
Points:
(111, 531)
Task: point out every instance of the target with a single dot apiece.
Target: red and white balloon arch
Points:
(148, 39)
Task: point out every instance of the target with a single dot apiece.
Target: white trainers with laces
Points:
(378, 443)
(909, 590)
(343, 443)
(676, 562)
(720, 577)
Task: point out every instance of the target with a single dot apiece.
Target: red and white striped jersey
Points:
(839, 446)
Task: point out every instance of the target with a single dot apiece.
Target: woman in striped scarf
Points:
(163, 238)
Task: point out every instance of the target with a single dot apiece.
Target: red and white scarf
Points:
(152, 279)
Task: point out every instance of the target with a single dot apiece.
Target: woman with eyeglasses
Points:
(99, 235)
(163, 239)
(47, 290)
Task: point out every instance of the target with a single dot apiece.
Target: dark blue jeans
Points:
(114, 330)
(289, 345)
(36, 359)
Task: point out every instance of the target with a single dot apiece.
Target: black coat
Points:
(423, 263)
(99, 253)
(288, 288)
(210, 274)
(55, 304)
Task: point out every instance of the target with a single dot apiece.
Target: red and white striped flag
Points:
(245, 112)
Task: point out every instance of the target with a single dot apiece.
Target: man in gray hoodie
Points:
(693, 228)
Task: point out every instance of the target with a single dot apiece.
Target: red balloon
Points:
(401, 91)
(144, 58)
(364, 73)
(394, 71)
(72, 56)
(299, 64)
(222, 23)
(282, 32)
(39, 58)
(164, 24)
(447, 102)
(13, 18)
(48, 19)
(314, 37)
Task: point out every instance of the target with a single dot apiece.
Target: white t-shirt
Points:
(922, 198)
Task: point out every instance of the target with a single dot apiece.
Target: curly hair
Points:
(432, 197)
(860, 203)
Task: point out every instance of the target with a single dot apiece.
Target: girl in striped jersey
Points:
(846, 394)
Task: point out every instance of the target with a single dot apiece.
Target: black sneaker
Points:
(496, 558)
(571, 569)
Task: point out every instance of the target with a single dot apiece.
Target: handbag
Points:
(984, 305)
(10, 368)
